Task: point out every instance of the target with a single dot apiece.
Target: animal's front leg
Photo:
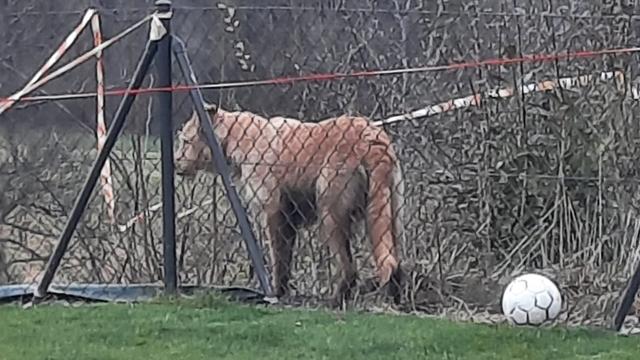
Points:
(282, 236)
(264, 197)
(336, 197)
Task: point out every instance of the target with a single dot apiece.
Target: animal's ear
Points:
(195, 119)
(213, 108)
(191, 127)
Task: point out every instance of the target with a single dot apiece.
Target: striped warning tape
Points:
(6, 104)
(106, 180)
(37, 81)
(475, 100)
(71, 65)
(139, 218)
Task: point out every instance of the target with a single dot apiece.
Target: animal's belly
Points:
(299, 176)
(299, 205)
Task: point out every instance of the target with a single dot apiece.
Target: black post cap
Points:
(163, 4)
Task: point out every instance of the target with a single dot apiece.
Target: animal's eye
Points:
(182, 136)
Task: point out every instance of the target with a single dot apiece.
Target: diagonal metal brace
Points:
(224, 169)
(627, 299)
(92, 178)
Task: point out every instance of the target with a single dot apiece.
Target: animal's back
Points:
(299, 150)
(346, 140)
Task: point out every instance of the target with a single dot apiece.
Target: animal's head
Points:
(193, 154)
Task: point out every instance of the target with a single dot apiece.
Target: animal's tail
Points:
(397, 205)
(384, 208)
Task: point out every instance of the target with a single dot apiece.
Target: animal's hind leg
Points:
(335, 231)
(336, 197)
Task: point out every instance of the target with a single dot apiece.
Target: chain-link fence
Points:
(541, 180)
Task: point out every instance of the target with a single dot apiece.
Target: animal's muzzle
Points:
(183, 169)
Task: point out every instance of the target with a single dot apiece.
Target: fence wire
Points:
(545, 181)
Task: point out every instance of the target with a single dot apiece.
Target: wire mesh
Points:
(544, 181)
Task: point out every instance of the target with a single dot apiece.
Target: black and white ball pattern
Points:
(531, 299)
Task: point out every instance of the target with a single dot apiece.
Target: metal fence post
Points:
(162, 113)
(627, 299)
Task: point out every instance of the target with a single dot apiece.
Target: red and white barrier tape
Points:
(475, 100)
(6, 104)
(155, 208)
(91, 15)
(106, 180)
(74, 63)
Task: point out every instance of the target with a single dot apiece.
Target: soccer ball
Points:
(531, 299)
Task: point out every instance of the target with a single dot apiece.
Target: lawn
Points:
(213, 329)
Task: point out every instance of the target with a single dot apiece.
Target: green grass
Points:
(213, 329)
